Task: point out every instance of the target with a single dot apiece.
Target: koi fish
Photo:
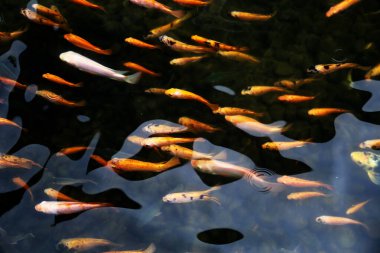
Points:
(238, 56)
(156, 32)
(305, 195)
(374, 144)
(87, 65)
(125, 164)
(54, 194)
(159, 6)
(353, 209)
(338, 221)
(57, 99)
(20, 182)
(216, 44)
(299, 182)
(187, 197)
(153, 128)
(12, 83)
(184, 94)
(72, 150)
(330, 68)
(369, 162)
(341, 6)
(88, 4)
(155, 90)
(45, 10)
(236, 111)
(60, 18)
(139, 43)
(186, 60)
(284, 145)
(60, 80)
(294, 84)
(254, 127)
(82, 43)
(191, 3)
(197, 126)
(38, 19)
(82, 244)
(320, 112)
(7, 122)
(156, 142)
(225, 169)
(99, 159)
(9, 36)
(248, 16)
(294, 98)
(375, 71)
(151, 249)
(261, 90)
(179, 46)
(185, 153)
(12, 161)
(140, 68)
(67, 207)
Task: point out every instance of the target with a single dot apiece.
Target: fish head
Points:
(40, 207)
(167, 198)
(368, 160)
(320, 219)
(268, 145)
(67, 56)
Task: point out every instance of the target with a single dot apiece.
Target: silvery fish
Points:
(369, 162)
(87, 65)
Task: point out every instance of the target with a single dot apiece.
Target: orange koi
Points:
(136, 165)
(41, 20)
(46, 11)
(299, 182)
(261, 90)
(67, 207)
(153, 142)
(82, 43)
(185, 153)
(153, 128)
(186, 60)
(99, 160)
(20, 182)
(8, 36)
(284, 145)
(339, 221)
(156, 32)
(54, 194)
(184, 94)
(248, 16)
(140, 68)
(375, 71)
(341, 6)
(12, 83)
(305, 195)
(197, 126)
(60, 18)
(82, 244)
(139, 43)
(320, 112)
(294, 98)
(216, 44)
(159, 6)
(325, 69)
(7, 122)
(236, 111)
(179, 46)
(356, 207)
(60, 80)
(191, 2)
(238, 56)
(155, 90)
(72, 150)
(17, 162)
(88, 4)
(294, 84)
(56, 99)
(374, 144)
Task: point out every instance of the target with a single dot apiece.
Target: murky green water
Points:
(248, 220)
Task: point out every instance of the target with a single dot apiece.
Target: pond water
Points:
(246, 217)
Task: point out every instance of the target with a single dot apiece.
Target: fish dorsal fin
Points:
(280, 123)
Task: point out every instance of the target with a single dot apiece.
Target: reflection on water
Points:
(255, 214)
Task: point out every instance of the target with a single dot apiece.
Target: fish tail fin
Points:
(213, 107)
(286, 128)
(133, 79)
(222, 155)
(242, 49)
(80, 103)
(151, 248)
(105, 51)
(213, 199)
(178, 13)
(80, 84)
(327, 186)
(101, 8)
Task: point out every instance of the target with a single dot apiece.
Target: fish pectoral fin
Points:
(374, 177)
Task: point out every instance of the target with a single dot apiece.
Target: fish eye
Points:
(318, 219)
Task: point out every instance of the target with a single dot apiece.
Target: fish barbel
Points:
(187, 197)
(67, 207)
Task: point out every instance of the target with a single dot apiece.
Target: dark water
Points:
(298, 36)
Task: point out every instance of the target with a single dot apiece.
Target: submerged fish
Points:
(330, 68)
(299, 182)
(7, 122)
(139, 43)
(159, 6)
(369, 162)
(191, 3)
(155, 90)
(72, 150)
(238, 56)
(339, 221)
(57, 99)
(71, 181)
(60, 80)
(293, 84)
(216, 44)
(284, 145)
(186, 60)
(156, 32)
(153, 128)
(341, 6)
(356, 207)
(179, 46)
(82, 43)
(41, 20)
(236, 111)
(295, 98)
(82, 244)
(126, 164)
(261, 90)
(20, 182)
(54, 194)
(87, 65)
(45, 10)
(187, 197)
(375, 71)
(140, 68)
(88, 4)
(248, 16)
(12, 161)
(9, 36)
(374, 144)
(12, 83)
(197, 126)
(156, 142)
(99, 159)
(151, 249)
(67, 207)
(305, 195)
(321, 112)
(185, 153)
(184, 94)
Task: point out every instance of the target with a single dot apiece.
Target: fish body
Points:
(253, 126)
(238, 56)
(184, 94)
(82, 43)
(156, 32)
(216, 44)
(12, 83)
(88, 4)
(151, 249)
(294, 98)
(321, 112)
(356, 207)
(20, 182)
(338, 221)
(191, 3)
(197, 126)
(369, 162)
(305, 195)
(179, 46)
(187, 197)
(294, 84)
(60, 80)
(139, 43)
(153, 142)
(325, 69)
(374, 144)
(152, 4)
(153, 128)
(236, 111)
(41, 20)
(248, 16)
(82, 244)
(284, 145)
(57, 99)
(9, 36)
(54, 194)
(341, 6)
(72, 150)
(87, 65)
(185, 153)
(299, 182)
(375, 71)
(7, 122)
(140, 68)
(136, 165)
(186, 60)
(17, 162)
(261, 90)
(66, 207)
